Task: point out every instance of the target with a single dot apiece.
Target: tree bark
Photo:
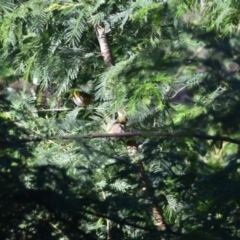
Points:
(106, 53)
(157, 216)
(131, 144)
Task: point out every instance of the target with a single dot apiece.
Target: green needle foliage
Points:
(174, 73)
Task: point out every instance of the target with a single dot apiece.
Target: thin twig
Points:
(55, 109)
(179, 90)
(67, 109)
(54, 226)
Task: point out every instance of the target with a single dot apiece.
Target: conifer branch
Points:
(129, 134)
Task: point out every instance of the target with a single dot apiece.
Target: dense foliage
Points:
(172, 67)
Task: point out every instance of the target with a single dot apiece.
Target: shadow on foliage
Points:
(200, 200)
(35, 202)
(43, 202)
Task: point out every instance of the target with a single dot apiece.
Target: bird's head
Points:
(121, 117)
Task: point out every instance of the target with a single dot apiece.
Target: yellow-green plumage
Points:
(121, 118)
(81, 98)
(118, 126)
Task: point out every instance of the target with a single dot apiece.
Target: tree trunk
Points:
(157, 216)
(131, 144)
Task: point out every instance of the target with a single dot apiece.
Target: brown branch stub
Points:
(158, 219)
(104, 45)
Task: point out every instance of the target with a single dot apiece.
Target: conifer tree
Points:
(172, 67)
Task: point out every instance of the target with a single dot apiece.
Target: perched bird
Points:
(21, 85)
(116, 128)
(132, 147)
(118, 125)
(81, 98)
(42, 96)
(121, 118)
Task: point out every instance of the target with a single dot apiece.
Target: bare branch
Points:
(104, 45)
(179, 90)
(129, 134)
(68, 109)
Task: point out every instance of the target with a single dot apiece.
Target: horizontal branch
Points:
(67, 109)
(130, 134)
(55, 110)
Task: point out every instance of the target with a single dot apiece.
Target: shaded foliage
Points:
(175, 70)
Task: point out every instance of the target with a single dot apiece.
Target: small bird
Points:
(118, 125)
(116, 128)
(81, 98)
(22, 85)
(121, 118)
(132, 145)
